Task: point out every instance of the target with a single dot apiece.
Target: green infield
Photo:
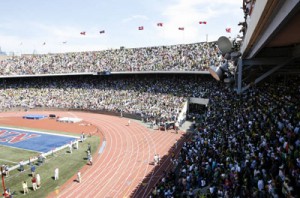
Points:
(68, 164)
(12, 156)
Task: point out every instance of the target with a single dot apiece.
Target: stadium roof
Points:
(271, 42)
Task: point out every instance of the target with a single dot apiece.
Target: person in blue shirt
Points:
(32, 168)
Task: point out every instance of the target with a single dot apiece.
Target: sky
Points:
(54, 26)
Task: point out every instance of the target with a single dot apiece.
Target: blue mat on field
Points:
(35, 116)
(33, 140)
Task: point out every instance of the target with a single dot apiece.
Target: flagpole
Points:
(206, 38)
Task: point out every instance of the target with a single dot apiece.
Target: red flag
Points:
(181, 28)
(202, 22)
(102, 32)
(159, 24)
(82, 33)
(141, 28)
(228, 30)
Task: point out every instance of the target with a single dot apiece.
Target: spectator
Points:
(56, 174)
(21, 166)
(32, 168)
(38, 181)
(34, 183)
(79, 177)
(25, 187)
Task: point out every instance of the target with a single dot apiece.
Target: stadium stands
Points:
(150, 97)
(245, 145)
(185, 57)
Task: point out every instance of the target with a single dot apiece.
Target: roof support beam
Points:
(264, 61)
(268, 73)
(283, 13)
(296, 51)
(239, 77)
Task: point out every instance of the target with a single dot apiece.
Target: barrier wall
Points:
(105, 112)
(202, 101)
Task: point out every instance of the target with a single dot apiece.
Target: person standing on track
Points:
(78, 177)
(128, 122)
(158, 159)
(176, 127)
(155, 159)
(90, 160)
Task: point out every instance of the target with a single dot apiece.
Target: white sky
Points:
(26, 24)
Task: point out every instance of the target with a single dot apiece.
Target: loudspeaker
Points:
(225, 45)
(216, 72)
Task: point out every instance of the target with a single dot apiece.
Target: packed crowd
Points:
(144, 95)
(185, 57)
(247, 146)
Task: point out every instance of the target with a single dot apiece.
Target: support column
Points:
(239, 77)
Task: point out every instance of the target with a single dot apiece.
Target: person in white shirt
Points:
(79, 177)
(260, 184)
(56, 174)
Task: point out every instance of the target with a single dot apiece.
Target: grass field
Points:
(12, 156)
(67, 163)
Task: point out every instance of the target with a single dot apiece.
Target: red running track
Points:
(126, 161)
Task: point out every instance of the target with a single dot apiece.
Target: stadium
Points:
(204, 119)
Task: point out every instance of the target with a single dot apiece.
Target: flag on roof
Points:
(102, 31)
(141, 27)
(159, 24)
(181, 28)
(202, 22)
(228, 30)
(82, 33)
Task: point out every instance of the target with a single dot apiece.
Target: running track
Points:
(124, 168)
